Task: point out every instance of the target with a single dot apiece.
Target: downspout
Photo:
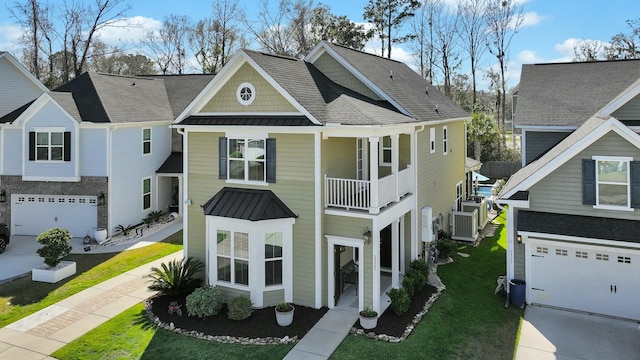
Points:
(416, 208)
(109, 174)
(318, 218)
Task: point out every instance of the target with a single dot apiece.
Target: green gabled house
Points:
(318, 181)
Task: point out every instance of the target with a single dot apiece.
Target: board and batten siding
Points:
(539, 142)
(93, 152)
(294, 186)
(267, 98)
(338, 74)
(629, 111)
(17, 89)
(561, 191)
(438, 174)
(129, 167)
(50, 116)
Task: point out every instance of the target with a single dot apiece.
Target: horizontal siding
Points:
(537, 143)
(273, 297)
(17, 89)
(93, 152)
(561, 191)
(267, 99)
(338, 74)
(438, 174)
(12, 143)
(294, 186)
(629, 111)
(339, 157)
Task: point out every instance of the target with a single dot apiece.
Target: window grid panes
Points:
(247, 159)
(273, 244)
(146, 193)
(49, 146)
(146, 141)
(613, 182)
(445, 141)
(386, 150)
(233, 257)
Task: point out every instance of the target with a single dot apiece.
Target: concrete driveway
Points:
(556, 334)
(19, 257)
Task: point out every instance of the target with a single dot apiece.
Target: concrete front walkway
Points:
(548, 334)
(325, 336)
(44, 332)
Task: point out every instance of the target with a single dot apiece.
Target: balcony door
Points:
(362, 169)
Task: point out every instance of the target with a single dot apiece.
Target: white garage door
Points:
(588, 278)
(33, 214)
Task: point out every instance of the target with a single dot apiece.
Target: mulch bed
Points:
(262, 323)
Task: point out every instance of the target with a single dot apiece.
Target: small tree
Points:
(56, 246)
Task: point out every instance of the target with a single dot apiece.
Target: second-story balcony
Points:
(368, 195)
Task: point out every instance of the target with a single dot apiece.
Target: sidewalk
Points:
(44, 332)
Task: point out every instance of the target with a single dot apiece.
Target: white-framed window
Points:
(146, 193)
(245, 94)
(49, 146)
(432, 140)
(445, 141)
(613, 178)
(273, 245)
(385, 151)
(233, 257)
(146, 141)
(459, 196)
(246, 159)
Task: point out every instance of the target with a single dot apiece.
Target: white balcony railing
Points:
(356, 194)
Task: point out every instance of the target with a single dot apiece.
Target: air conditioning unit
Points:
(427, 224)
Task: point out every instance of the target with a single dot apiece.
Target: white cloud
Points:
(528, 57)
(126, 31)
(10, 35)
(531, 18)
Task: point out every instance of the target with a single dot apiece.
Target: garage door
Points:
(588, 278)
(33, 214)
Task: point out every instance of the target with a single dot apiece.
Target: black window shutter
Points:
(32, 146)
(635, 184)
(271, 160)
(588, 182)
(67, 146)
(222, 158)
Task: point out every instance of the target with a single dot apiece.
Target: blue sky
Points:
(550, 27)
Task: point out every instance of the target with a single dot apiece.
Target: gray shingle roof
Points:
(119, 99)
(567, 94)
(66, 101)
(407, 88)
(172, 165)
(554, 152)
(12, 116)
(247, 204)
(182, 89)
(579, 226)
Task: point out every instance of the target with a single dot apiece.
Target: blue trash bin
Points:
(516, 292)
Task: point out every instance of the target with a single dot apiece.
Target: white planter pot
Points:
(44, 273)
(368, 322)
(285, 318)
(100, 235)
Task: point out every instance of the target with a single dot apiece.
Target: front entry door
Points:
(385, 247)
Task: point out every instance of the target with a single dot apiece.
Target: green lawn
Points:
(23, 297)
(467, 322)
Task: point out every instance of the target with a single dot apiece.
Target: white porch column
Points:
(395, 254)
(374, 207)
(375, 291)
(395, 162)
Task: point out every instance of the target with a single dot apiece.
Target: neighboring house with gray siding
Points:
(87, 155)
(574, 212)
(17, 85)
(295, 168)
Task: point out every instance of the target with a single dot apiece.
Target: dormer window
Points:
(245, 93)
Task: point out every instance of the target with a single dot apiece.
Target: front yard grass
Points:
(22, 297)
(467, 322)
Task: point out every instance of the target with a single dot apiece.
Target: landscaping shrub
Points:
(446, 248)
(56, 246)
(240, 308)
(204, 301)
(408, 283)
(419, 280)
(400, 300)
(420, 266)
(176, 278)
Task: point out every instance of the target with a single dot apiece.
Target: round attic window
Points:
(245, 94)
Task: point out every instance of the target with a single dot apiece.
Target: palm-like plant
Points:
(176, 278)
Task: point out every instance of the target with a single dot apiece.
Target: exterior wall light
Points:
(3, 195)
(519, 239)
(101, 198)
(366, 236)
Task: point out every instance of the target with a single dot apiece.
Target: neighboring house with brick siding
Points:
(574, 211)
(318, 181)
(95, 152)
